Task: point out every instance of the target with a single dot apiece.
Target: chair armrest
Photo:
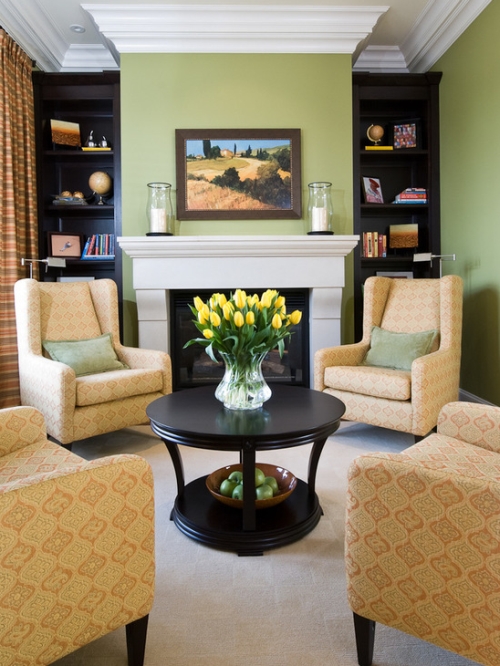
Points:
(472, 423)
(137, 358)
(341, 355)
(434, 382)
(414, 537)
(50, 386)
(19, 427)
(85, 541)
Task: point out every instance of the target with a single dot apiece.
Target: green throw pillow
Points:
(398, 350)
(86, 357)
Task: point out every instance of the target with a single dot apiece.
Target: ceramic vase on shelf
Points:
(243, 385)
(159, 210)
(320, 209)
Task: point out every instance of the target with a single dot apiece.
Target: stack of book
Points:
(412, 195)
(374, 244)
(99, 246)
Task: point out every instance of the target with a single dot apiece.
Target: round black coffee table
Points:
(293, 416)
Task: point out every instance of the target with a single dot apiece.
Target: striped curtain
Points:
(18, 214)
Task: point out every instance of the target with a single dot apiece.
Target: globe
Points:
(100, 182)
(375, 133)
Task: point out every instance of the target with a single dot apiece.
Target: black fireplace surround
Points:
(192, 367)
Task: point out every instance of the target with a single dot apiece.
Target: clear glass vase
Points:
(243, 385)
(159, 210)
(320, 208)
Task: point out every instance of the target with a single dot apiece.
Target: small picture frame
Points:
(64, 245)
(406, 134)
(403, 235)
(65, 133)
(372, 190)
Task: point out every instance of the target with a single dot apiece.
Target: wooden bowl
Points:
(286, 484)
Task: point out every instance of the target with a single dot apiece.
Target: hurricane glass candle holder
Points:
(320, 209)
(159, 210)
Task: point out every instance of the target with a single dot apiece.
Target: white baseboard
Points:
(465, 396)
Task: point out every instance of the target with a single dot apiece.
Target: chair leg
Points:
(136, 641)
(365, 637)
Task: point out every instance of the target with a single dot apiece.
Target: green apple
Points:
(238, 492)
(271, 481)
(263, 492)
(236, 476)
(259, 477)
(227, 487)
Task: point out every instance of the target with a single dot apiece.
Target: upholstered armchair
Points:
(81, 400)
(401, 379)
(423, 537)
(76, 545)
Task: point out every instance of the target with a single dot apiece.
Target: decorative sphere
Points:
(100, 182)
(375, 133)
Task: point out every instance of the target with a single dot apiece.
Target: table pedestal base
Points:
(202, 518)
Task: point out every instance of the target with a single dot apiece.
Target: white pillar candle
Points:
(158, 220)
(319, 219)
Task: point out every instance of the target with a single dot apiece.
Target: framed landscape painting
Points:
(238, 174)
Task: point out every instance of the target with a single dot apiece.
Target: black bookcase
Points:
(388, 100)
(92, 101)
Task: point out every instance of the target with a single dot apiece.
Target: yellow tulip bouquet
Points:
(243, 324)
(243, 329)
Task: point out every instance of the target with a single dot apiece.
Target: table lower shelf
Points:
(202, 518)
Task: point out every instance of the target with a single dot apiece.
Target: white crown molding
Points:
(88, 58)
(440, 24)
(238, 29)
(381, 59)
(234, 29)
(32, 29)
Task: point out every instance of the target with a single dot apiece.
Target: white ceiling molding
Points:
(88, 58)
(32, 29)
(381, 59)
(440, 24)
(234, 29)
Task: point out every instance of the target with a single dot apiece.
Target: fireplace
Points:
(314, 264)
(193, 367)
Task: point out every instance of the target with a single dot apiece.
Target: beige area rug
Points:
(286, 608)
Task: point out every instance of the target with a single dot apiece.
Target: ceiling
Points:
(398, 36)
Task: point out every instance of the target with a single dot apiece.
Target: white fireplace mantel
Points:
(165, 263)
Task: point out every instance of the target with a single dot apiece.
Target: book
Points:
(410, 201)
(379, 148)
(382, 245)
(85, 248)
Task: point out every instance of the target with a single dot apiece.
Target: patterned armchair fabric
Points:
(423, 537)
(78, 407)
(408, 401)
(76, 545)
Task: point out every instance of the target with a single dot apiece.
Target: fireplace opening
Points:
(193, 367)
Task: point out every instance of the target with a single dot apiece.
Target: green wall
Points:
(164, 92)
(470, 208)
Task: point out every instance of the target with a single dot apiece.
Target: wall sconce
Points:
(427, 256)
(50, 261)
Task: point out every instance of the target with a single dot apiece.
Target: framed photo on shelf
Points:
(372, 190)
(406, 134)
(65, 245)
(403, 235)
(238, 174)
